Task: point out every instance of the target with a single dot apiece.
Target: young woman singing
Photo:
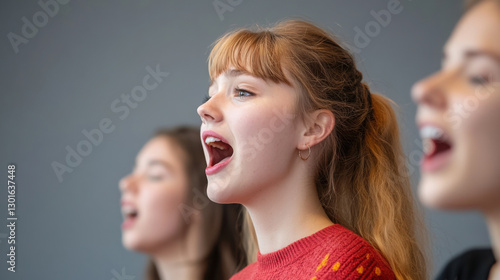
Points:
(292, 132)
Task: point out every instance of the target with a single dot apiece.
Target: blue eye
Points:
(241, 93)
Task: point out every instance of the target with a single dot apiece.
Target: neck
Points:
(173, 263)
(493, 221)
(286, 211)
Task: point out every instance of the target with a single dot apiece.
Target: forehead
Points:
(160, 148)
(479, 29)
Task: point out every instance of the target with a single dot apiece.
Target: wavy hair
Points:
(226, 256)
(361, 176)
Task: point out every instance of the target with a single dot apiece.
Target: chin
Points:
(443, 195)
(221, 192)
(133, 243)
(129, 243)
(433, 193)
(217, 193)
(429, 199)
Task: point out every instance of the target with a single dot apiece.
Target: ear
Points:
(318, 126)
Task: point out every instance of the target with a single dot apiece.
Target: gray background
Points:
(65, 78)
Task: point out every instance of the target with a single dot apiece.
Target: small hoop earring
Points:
(309, 154)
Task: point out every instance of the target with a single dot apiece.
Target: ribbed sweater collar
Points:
(295, 250)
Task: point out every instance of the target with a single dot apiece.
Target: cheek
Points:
(267, 139)
(265, 129)
(161, 214)
(263, 151)
(163, 204)
(481, 148)
(473, 178)
(482, 112)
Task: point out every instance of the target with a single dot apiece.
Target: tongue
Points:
(220, 154)
(440, 146)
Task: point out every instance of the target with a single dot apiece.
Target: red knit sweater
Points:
(331, 253)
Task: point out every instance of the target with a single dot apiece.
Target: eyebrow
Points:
(160, 162)
(477, 53)
(155, 162)
(232, 73)
(470, 54)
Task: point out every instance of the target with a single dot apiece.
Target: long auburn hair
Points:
(361, 176)
(226, 256)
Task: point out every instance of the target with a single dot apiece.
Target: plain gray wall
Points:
(65, 78)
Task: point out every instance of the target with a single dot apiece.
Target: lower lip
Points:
(128, 223)
(218, 167)
(434, 163)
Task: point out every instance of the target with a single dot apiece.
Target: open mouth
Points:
(129, 214)
(435, 141)
(218, 150)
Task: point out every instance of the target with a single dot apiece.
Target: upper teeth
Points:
(127, 210)
(215, 142)
(211, 139)
(431, 132)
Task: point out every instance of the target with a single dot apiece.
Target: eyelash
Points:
(478, 80)
(236, 92)
(155, 178)
(239, 90)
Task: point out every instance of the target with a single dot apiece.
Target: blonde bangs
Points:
(258, 53)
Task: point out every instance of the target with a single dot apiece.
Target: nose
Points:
(431, 91)
(209, 111)
(127, 183)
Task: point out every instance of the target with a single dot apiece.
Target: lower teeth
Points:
(429, 146)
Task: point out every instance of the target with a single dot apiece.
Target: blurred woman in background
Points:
(458, 117)
(168, 216)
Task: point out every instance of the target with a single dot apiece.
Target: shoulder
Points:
(246, 273)
(472, 264)
(349, 256)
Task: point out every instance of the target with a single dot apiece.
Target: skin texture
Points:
(463, 98)
(240, 120)
(470, 179)
(258, 119)
(156, 188)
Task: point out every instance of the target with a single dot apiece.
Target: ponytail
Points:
(361, 178)
(372, 194)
